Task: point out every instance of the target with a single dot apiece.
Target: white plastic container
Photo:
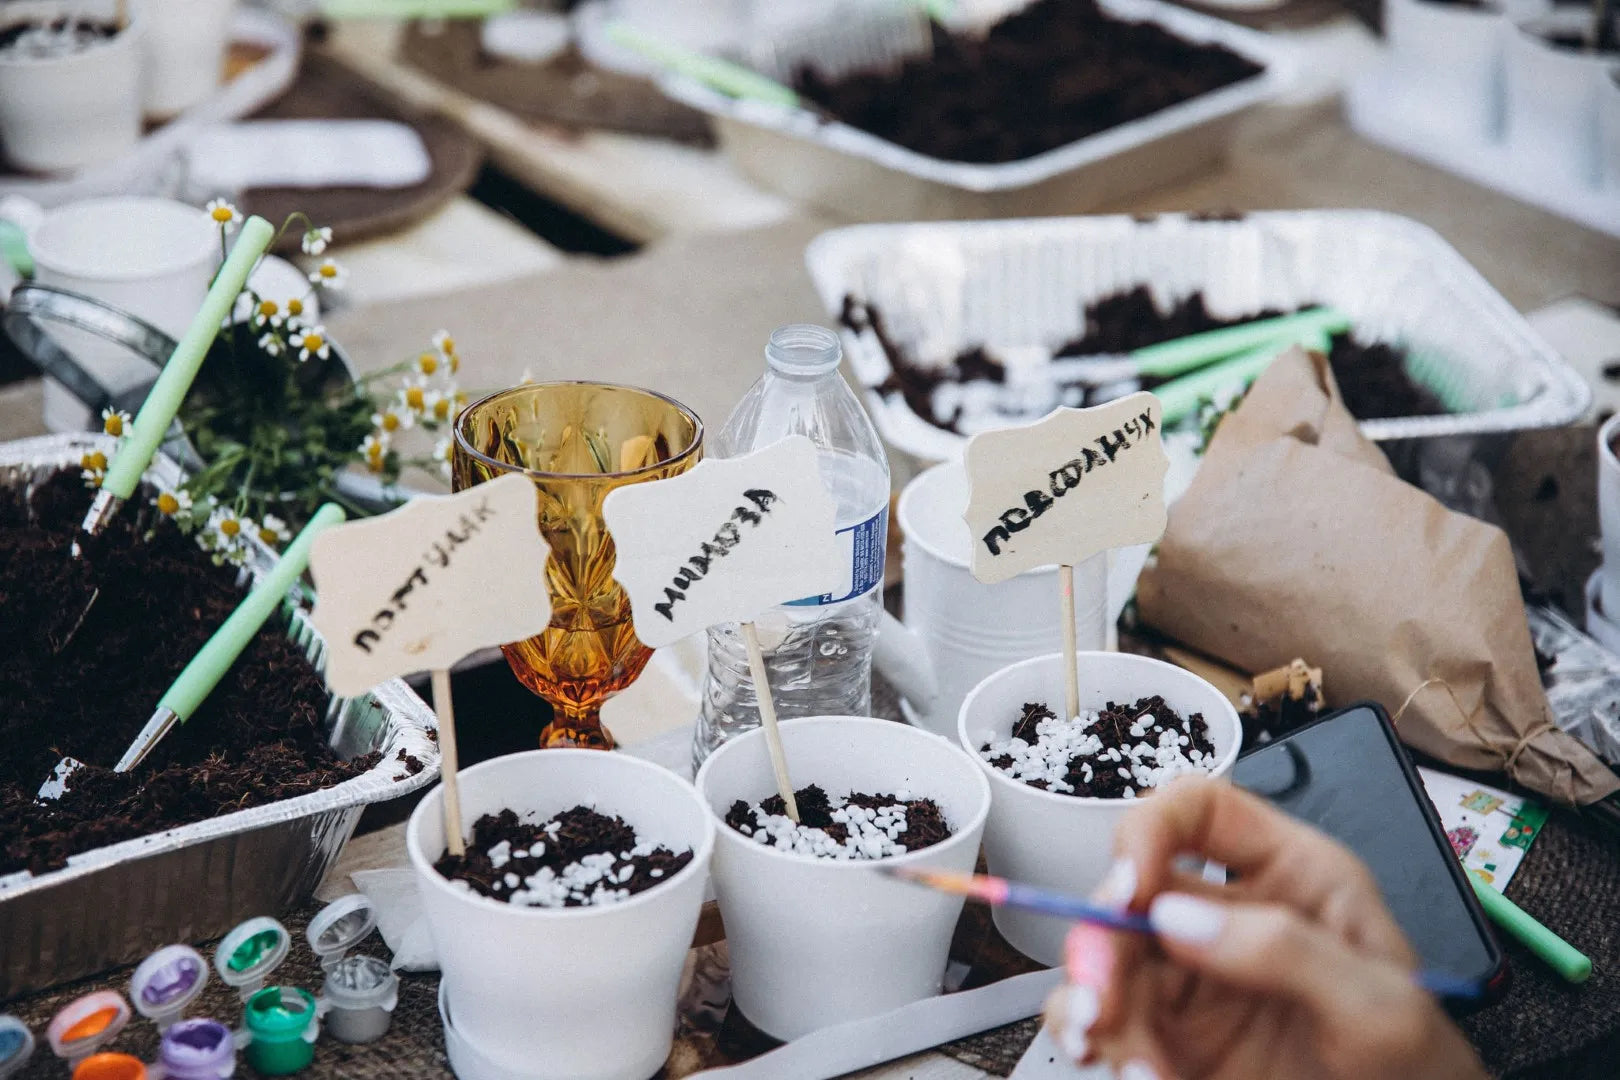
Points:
(1609, 129)
(1446, 60)
(185, 52)
(565, 993)
(1065, 842)
(1608, 485)
(1553, 94)
(65, 112)
(958, 630)
(815, 942)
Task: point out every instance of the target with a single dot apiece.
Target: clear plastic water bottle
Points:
(818, 650)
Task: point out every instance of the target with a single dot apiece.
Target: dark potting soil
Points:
(1372, 378)
(258, 738)
(1050, 74)
(925, 824)
(66, 38)
(574, 859)
(1096, 773)
(1264, 721)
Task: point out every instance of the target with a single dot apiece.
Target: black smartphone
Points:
(1348, 775)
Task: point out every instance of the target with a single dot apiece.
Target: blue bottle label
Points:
(864, 546)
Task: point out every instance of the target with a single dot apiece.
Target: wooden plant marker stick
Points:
(449, 762)
(767, 718)
(1071, 660)
(121, 14)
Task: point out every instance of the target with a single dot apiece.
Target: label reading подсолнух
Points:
(863, 546)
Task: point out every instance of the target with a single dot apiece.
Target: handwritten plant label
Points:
(724, 541)
(423, 586)
(1064, 488)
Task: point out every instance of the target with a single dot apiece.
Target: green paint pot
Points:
(284, 1026)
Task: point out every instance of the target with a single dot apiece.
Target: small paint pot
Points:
(358, 998)
(248, 954)
(198, 1049)
(110, 1067)
(16, 1045)
(86, 1024)
(282, 1024)
(166, 982)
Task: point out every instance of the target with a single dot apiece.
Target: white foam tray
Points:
(943, 287)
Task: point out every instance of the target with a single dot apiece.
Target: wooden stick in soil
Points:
(448, 764)
(121, 15)
(767, 717)
(1071, 660)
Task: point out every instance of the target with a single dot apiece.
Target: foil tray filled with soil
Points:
(899, 122)
(175, 866)
(945, 290)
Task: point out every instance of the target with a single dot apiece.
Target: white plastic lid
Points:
(340, 926)
(249, 953)
(87, 1023)
(16, 1045)
(167, 981)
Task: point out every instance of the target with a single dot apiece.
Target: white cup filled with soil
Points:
(1060, 785)
(1554, 83)
(70, 84)
(562, 932)
(817, 936)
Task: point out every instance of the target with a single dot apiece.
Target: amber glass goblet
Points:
(577, 441)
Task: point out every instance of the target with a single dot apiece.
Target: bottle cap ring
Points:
(249, 953)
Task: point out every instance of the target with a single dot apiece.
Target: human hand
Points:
(1295, 968)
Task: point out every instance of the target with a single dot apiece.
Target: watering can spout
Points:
(901, 657)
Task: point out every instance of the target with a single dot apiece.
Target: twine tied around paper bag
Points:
(1510, 759)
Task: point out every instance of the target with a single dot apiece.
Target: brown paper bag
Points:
(1297, 539)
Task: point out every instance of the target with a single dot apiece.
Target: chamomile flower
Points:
(295, 310)
(447, 349)
(271, 344)
(114, 422)
(273, 531)
(226, 216)
(442, 406)
(226, 534)
(392, 419)
(443, 454)
(267, 313)
(413, 396)
(315, 240)
(374, 451)
(527, 377)
(310, 341)
(172, 501)
(428, 363)
(93, 461)
(328, 275)
(93, 477)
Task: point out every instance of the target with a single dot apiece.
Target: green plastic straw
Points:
(731, 79)
(1564, 958)
(164, 399)
(14, 249)
(1179, 398)
(1184, 354)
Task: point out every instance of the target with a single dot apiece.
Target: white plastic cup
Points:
(815, 942)
(583, 993)
(957, 630)
(1447, 60)
(1609, 124)
(62, 113)
(1065, 842)
(1608, 466)
(1552, 98)
(185, 44)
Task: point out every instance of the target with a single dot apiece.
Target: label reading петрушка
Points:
(864, 547)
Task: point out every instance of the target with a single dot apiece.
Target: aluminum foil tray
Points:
(947, 286)
(114, 904)
(811, 157)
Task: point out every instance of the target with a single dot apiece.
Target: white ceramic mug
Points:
(1065, 842)
(958, 630)
(65, 112)
(1552, 98)
(585, 993)
(185, 43)
(816, 942)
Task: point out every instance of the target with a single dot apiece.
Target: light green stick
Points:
(722, 75)
(1564, 958)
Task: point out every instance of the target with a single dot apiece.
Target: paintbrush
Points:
(999, 892)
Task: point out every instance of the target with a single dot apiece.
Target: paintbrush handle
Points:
(215, 658)
(1030, 898)
(163, 400)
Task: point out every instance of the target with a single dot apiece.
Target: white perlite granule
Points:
(593, 880)
(1144, 765)
(873, 833)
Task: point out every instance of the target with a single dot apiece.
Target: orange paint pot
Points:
(110, 1067)
(91, 1025)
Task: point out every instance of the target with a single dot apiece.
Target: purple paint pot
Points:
(166, 982)
(198, 1049)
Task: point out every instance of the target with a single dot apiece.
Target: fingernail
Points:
(1089, 956)
(1078, 1015)
(1186, 918)
(1137, 1070)
(1118, 885)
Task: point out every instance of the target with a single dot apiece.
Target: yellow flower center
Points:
(113, 425)
(313, 342)
(455, 363)
(390, 422)
(222, 214)
(267, 308)
(295, 307)
(269, 536)
(230, 527)
(427, 363)
(329, 270)
(167, 504)
(448, 344)
(95, 459)
(415, 398)
(441, 409)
